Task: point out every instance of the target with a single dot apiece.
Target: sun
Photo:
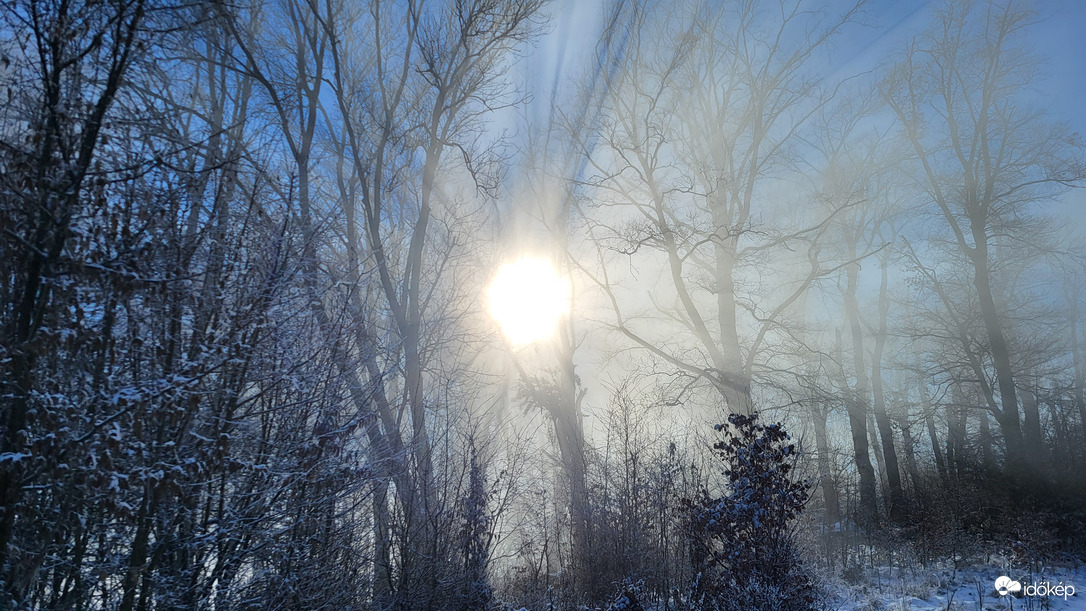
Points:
(527, 298)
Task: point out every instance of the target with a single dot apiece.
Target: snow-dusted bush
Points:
(743, 543)
(629, 597)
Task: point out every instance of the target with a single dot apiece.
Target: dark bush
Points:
(629, 597)
(743, 543)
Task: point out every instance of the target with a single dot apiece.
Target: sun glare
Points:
(527, 298)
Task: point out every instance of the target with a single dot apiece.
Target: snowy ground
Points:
(919, 590)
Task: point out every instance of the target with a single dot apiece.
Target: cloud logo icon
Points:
(1005, 585)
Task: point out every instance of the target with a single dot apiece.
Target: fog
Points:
(497, 304)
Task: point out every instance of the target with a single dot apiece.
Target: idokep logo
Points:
(1005, 586)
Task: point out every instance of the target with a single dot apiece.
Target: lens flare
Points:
(527, 298)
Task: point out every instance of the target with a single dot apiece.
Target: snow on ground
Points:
(930, 590)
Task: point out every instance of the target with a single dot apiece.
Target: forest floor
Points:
(971, 589)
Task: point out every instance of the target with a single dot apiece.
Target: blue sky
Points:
(1062, 39)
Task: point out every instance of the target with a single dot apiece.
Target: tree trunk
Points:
(569, 429)
(858, 403)
(1031, 428)
(876, 451)
(909, 447)
(986, 454)
(737, 397)
(137, 558)
(1008, 418)
(382, 559)
(936, 450)
(896, 500)
(868, 504)
(955, 427)
(832, 514)
(1080, 375)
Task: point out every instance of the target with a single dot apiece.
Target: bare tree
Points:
(983, 157)
(46, 173)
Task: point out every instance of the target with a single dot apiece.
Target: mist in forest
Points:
(517, 304)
